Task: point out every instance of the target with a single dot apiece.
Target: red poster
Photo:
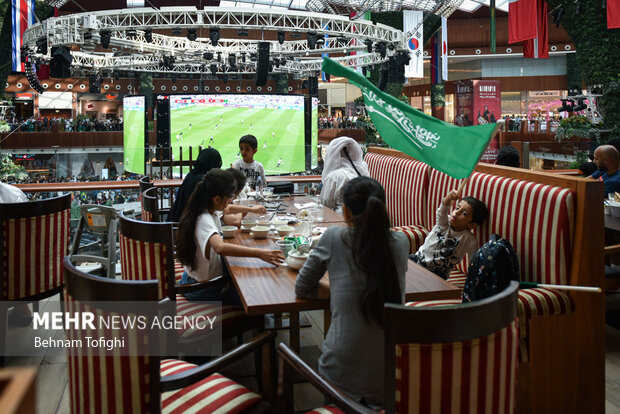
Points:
(487, 108)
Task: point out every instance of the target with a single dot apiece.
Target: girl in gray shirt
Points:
(367, 265)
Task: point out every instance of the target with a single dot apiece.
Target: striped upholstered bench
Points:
(555, 223)
(406, 184)
(536, 219)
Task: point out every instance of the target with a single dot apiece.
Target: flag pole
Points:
(463, 183)
(531, 285)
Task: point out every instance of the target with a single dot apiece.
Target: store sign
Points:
(544, 94)
(24, 157)
(23, 96)
(111, 97)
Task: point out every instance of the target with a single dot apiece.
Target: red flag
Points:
(538, 47)
(613, 14)
(521, 20)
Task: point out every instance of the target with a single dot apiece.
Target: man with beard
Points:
(606, 160)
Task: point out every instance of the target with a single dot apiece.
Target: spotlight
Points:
(382, 49)
(368, 44)
(402, 58)
(219, 57)
(566, 107)
(42, 45)
(191, 35)
(131, 33)
(312, 38)
(105, 36)
(581, 105)
(232, 60)
(213, 68)
(253, 57)
(320, 41)
(243, 56)
(342, 40)
(208, 55)
(214, 35)
(283, 61)
(148, 35)
(280, 36)
(276, 62)
(168, 62)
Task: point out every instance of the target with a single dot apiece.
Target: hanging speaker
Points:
(93, 84)
(163, 122)
(262, 64)
(60, 66)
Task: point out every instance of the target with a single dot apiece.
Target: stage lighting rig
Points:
(368, 44)
(148, 35)
(192, 35)
(207, 55)
(381, 49)
(232, 61)
(281, 36)
(312, 38)
(105, 36)
(580, 105)
(168, 62)
(213, 68)
(42, 45)
(214, 35)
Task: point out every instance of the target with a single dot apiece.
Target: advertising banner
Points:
(487, 109)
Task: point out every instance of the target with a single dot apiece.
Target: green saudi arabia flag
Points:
(448, 148)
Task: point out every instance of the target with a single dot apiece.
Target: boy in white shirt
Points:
(452, 237)
(252, 169)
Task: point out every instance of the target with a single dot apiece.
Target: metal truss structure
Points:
(137, 48)
(440, 7)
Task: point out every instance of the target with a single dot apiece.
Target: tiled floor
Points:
(53, 396)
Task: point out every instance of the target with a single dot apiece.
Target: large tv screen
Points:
(314, 162)
(219, 120)
(133, 133)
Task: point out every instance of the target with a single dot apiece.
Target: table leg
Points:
(294, 331)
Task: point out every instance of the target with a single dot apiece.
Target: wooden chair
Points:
(437, 359)
(147, 252)
(113, 382)
(34, 238)
(150, 205)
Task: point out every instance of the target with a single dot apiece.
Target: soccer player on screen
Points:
(190, 126)
(279, 162)
(273, 134)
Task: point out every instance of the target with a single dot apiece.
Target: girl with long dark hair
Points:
(199, 241)
(367, 264)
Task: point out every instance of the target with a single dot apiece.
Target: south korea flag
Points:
(412, 19)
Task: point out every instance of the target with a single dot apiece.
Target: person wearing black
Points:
(207, 159)
(508, 156)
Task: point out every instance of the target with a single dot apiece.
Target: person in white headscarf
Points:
(343, 162)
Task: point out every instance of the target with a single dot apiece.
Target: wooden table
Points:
(265, 288)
